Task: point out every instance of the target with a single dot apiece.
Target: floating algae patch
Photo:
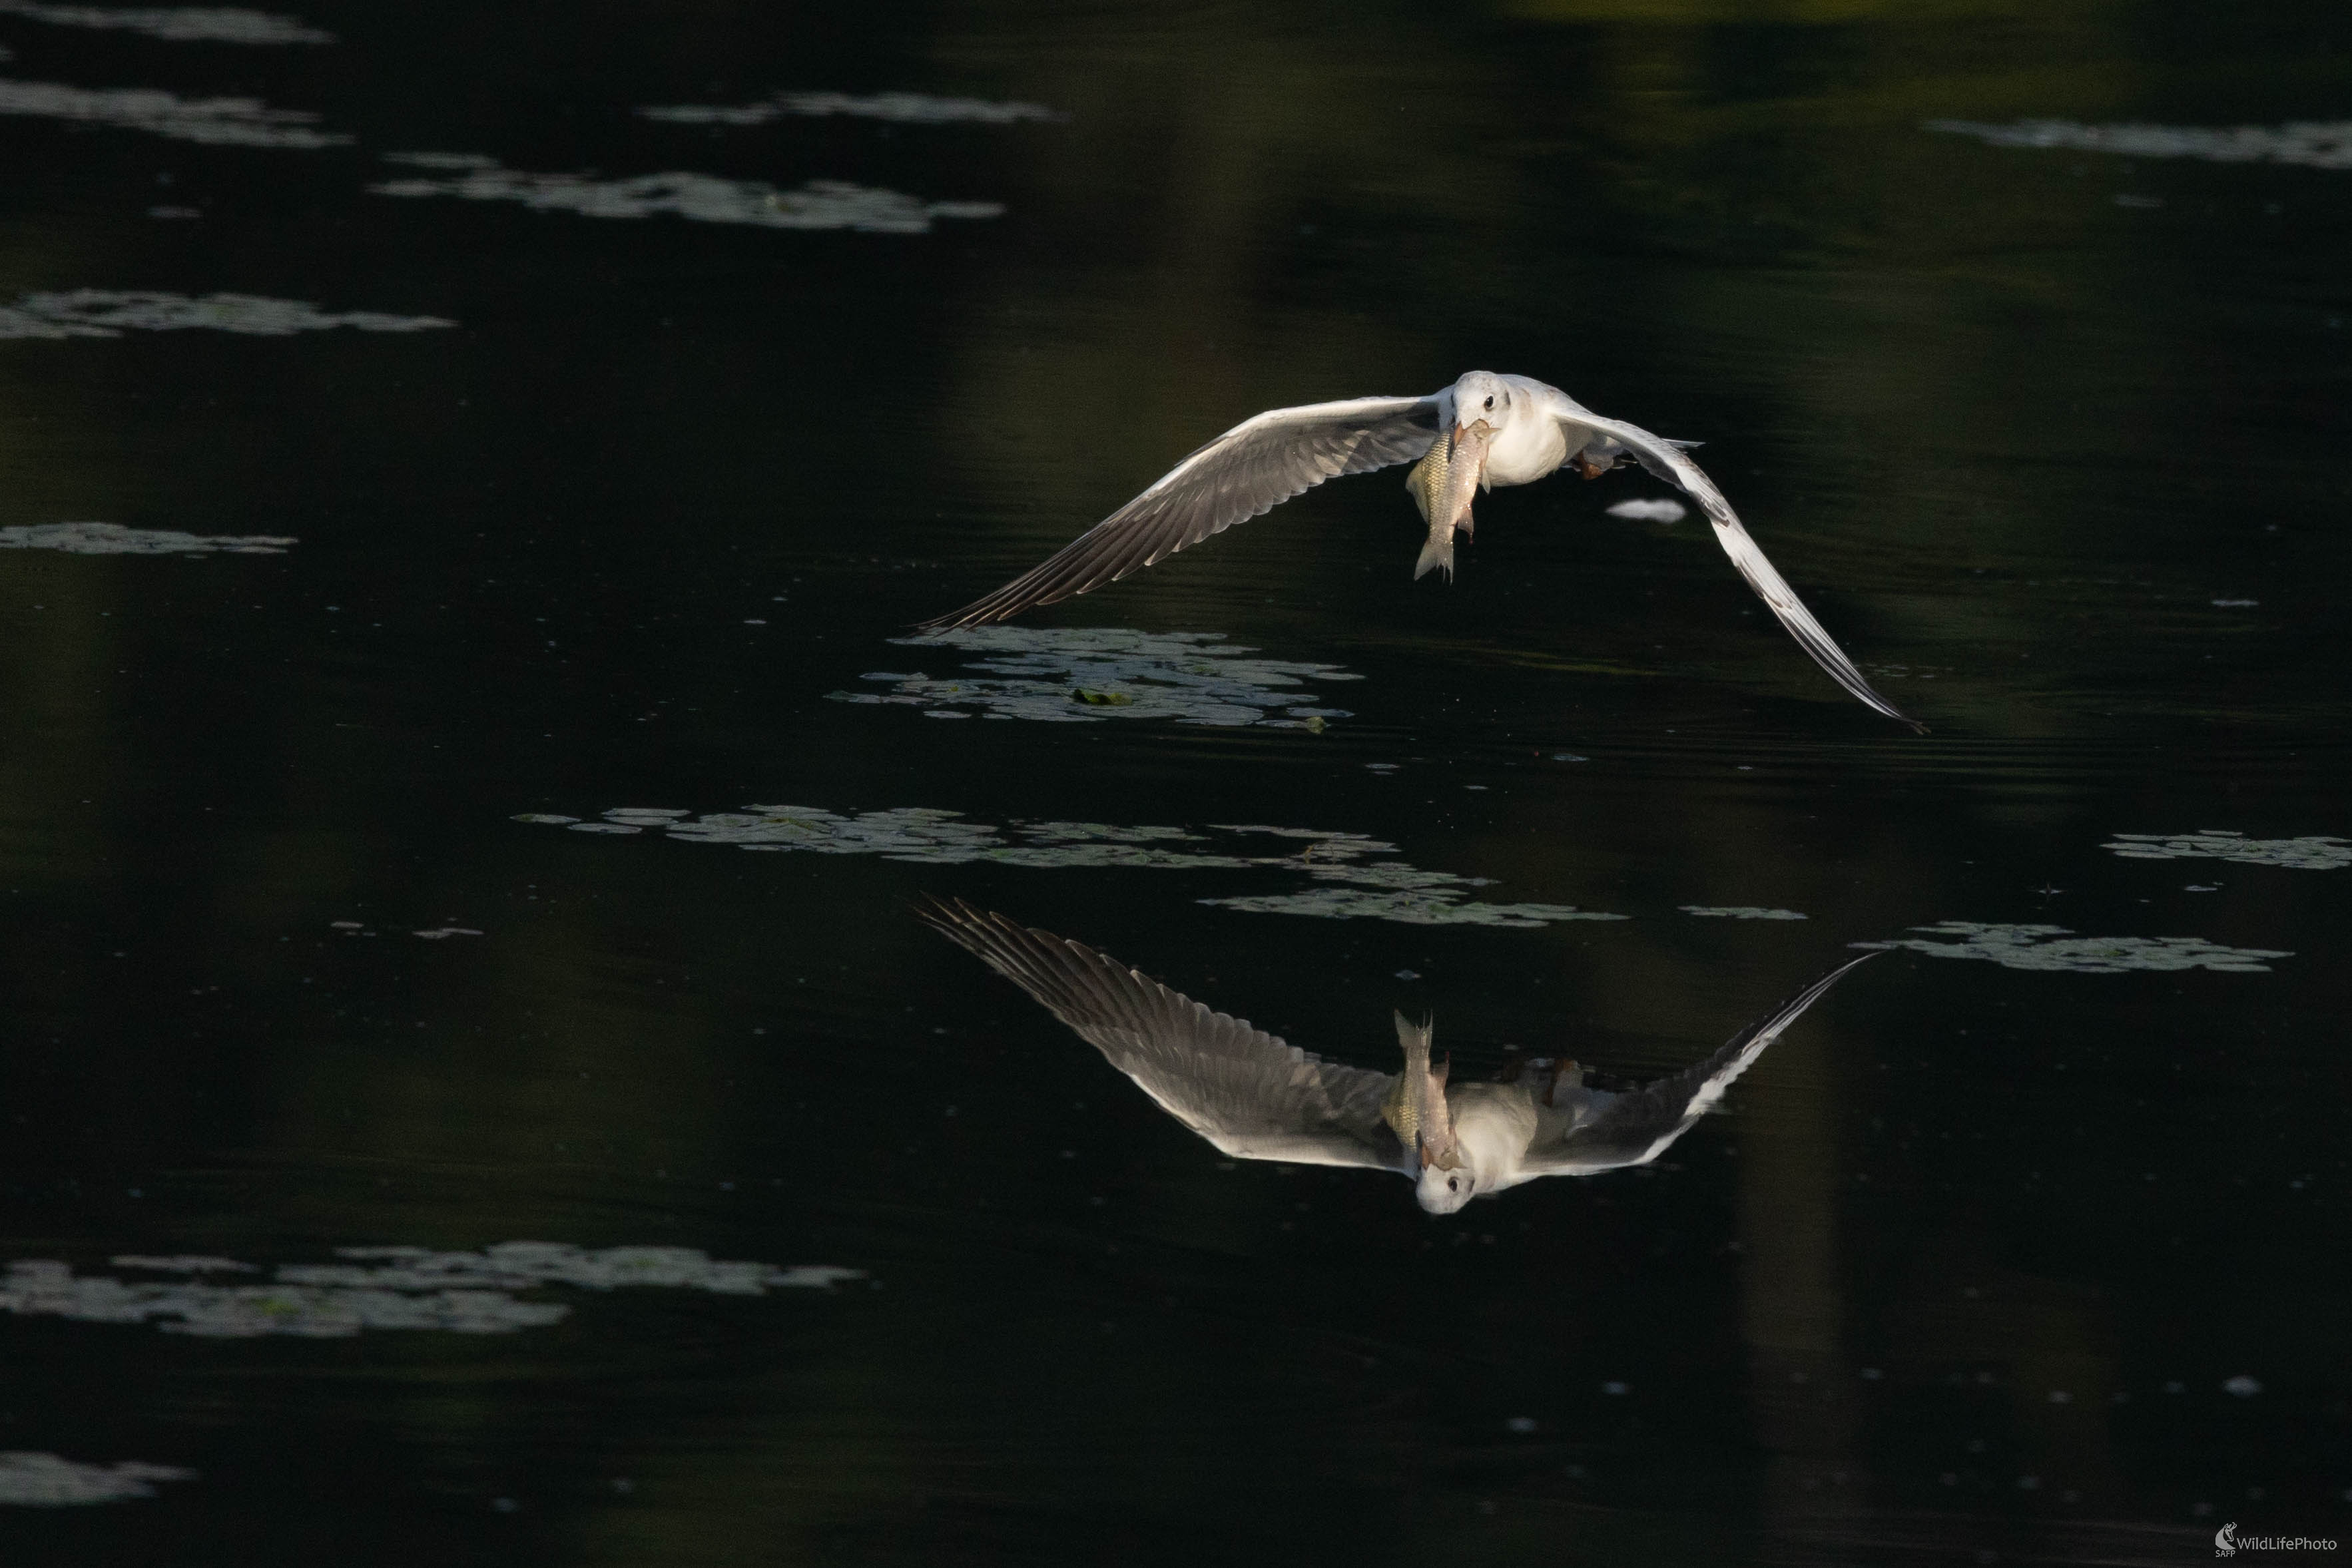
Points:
(377, 1288)
(2054, 947)
(177, 24)
(1084, 675)
(2214, 844)
(231, 122)
(113, 539)
(110, 312)
(701, 198)
(48, 1481)
(2315, 144)
(904, 108)
(1649, 509)
(1353, 875)
(1739, 912)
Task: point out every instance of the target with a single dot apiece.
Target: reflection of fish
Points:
(1533, 430)
(1254, 1097)
(1442, 484)
(1417, 1109)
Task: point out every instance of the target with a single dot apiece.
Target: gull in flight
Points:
(1256, 1098)
(1482, 431)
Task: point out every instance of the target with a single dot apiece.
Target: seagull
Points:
(1530, 430)
(1254, 1097)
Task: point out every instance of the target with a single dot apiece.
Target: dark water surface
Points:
(518, 845)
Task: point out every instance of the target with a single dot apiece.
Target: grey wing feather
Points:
(1666, 460)
(1250, 470)
(1598, 1131)
(1245, 1091)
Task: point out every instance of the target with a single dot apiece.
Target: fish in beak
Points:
(1415, 1110)
(1442, 484)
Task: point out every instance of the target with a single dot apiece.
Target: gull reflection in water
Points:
(1257, 1098)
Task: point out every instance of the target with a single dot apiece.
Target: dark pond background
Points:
(2039, 1259)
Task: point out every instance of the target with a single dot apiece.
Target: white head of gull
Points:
(1482, 431)
(1254, 1097)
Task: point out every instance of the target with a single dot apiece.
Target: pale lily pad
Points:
(1085, 675)
(47, 1481)
(702, 198)
(1361, 880)
(904, 108)
(2054, 947)
(2322, 853)
(233, 122)
(2315, 144)
(1434, 906)
(381, 1287)
(1739, 912)
(928, 836)
(110, 312)
(176, 23)
(113, 539)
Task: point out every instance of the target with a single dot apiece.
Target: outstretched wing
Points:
(1251, 468)
(1253, 1096)
(1666, 460)
(1596, 1130)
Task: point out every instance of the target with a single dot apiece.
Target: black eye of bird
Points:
(1490, 402)
(1452, 1184)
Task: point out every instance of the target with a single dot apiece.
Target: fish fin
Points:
(1414, 486)
(1462, 523)
(1436, 552)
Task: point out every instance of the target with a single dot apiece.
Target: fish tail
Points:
(1438, 552)
(1414, 1037)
